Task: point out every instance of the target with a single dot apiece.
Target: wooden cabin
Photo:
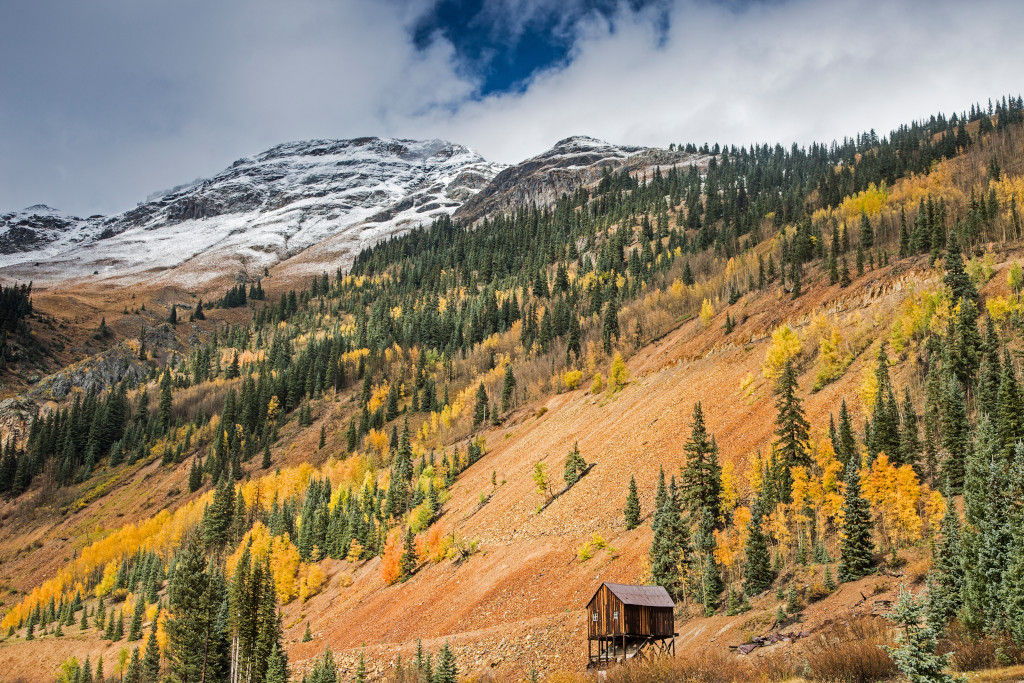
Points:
(629, 621)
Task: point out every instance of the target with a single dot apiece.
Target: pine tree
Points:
(956, 278)
(408, 559)
(792, 428)
(701, 476)
(308, 635)
(151, 659)
(480, 409)
(133, 672)
(946, 576)
(508, 389)
(135, 629)
(194, 629)
(915, 655)
(632, 511)
(195, 476)
(856, 548)
(669, 544)
(954, 436)
(324, 669)
(172, 318)
(446, 670)
(847, 451)
(1010, 406)
(277, 667)
(757, 571)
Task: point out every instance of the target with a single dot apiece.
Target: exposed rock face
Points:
(41, 231)
(258, 212)
(572, 163)
(95, 373)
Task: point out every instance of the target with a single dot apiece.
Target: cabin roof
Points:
(644, 596)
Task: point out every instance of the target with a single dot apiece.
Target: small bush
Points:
(851, 653)
(597, 385)
(971, 653)
(572, 378)
(595, 543)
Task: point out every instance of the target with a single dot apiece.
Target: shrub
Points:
(785, 347)
(619, 375)
(1015, 278)
(707, 312)
(850, 653)
(597, 385)
(572, 378)
(588, 549)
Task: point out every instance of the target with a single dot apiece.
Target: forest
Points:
(442, 332)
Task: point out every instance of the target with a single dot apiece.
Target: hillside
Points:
(389, 422)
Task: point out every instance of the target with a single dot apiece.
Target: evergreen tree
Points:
(757, 571)
(277, 667)
(792, 429)
(915, 655)
(956, 278)
(324, 669)
(701, 476)
(135, 629)
(946, 576)
(508, 389)
(446, 670)
(480, 409)
(193, 630)
(855, 546)
(408, 560)
(632, 511)
(151, 659)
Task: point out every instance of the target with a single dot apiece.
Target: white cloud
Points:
(104, 104)
(774, 72)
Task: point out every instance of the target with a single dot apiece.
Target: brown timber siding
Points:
(632, 620)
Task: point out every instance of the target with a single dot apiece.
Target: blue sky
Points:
(503, 45)
(103, 103)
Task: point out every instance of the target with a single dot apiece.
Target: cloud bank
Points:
(105, 102)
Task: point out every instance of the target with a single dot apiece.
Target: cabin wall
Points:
(610, 614)
(614, 618)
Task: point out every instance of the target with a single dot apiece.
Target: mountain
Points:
(448, 448)
(41, 232)
(256, 213)
(572, 163)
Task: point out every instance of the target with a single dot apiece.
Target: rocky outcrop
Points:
(572, 163)
(96, 373)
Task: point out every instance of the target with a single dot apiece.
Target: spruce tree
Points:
(915, 654)
(480, 409)
(135, 629)
(855, 547)
(446, 670)
(757, 570)
(508, 389)
(277, 667)
(151, 659)
(701, 476)
(792, 428)
(632, 510)
(408, 560)
(946, 576)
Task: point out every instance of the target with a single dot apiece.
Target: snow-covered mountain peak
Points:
(336, 194)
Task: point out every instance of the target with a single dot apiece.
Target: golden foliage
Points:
(707, 312)
(785, 347)
(618, 376)
(572, 378)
